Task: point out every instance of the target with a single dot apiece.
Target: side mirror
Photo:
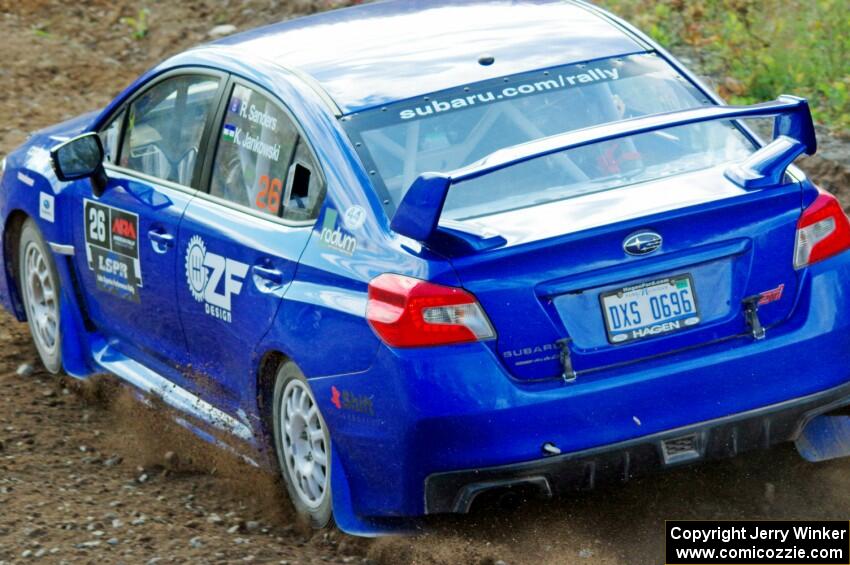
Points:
(79, 158)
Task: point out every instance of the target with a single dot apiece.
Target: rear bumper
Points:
(420, 425)
(584, 470)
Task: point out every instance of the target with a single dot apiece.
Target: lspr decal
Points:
(112, 249)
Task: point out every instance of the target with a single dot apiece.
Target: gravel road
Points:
(89, 475)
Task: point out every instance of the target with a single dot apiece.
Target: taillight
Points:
(822, 231)
(409, 312)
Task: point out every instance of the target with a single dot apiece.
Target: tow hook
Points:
(751, 313)
(569, 374)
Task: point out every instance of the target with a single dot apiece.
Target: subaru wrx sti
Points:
(411, 252)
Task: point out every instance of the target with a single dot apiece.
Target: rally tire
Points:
(40, 291)
(303, 446)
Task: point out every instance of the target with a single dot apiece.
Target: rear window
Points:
(454, 128)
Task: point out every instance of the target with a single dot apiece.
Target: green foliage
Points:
(758, 49)
(138, 25)
(41, 31)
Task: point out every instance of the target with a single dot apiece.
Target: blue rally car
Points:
(411, 252)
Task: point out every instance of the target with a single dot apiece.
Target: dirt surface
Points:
(89, 475)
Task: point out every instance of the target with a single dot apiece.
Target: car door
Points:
(127, 235)
(240, 242)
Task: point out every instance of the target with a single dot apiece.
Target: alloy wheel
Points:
(304, 444)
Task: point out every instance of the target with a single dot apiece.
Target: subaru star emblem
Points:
(642, 243)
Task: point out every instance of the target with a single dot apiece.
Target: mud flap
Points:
(348, 520)
(76, 348)
(74, 360)
(825, 437)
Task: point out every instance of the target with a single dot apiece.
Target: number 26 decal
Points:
(97, 224)
(270, 194)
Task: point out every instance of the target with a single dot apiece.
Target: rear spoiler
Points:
(419, 212)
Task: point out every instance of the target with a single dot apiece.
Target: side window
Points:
(261, 159)
(165, 126)
(304, 188)
(109, 138)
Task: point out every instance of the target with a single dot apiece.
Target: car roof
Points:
(382, 52)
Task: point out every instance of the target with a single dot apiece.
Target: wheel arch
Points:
(265, 381)
(11, 240)
(75, 352)
(344, 514)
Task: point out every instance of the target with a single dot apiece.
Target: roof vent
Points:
(486, 60)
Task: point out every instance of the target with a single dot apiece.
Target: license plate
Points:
(650, 309)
